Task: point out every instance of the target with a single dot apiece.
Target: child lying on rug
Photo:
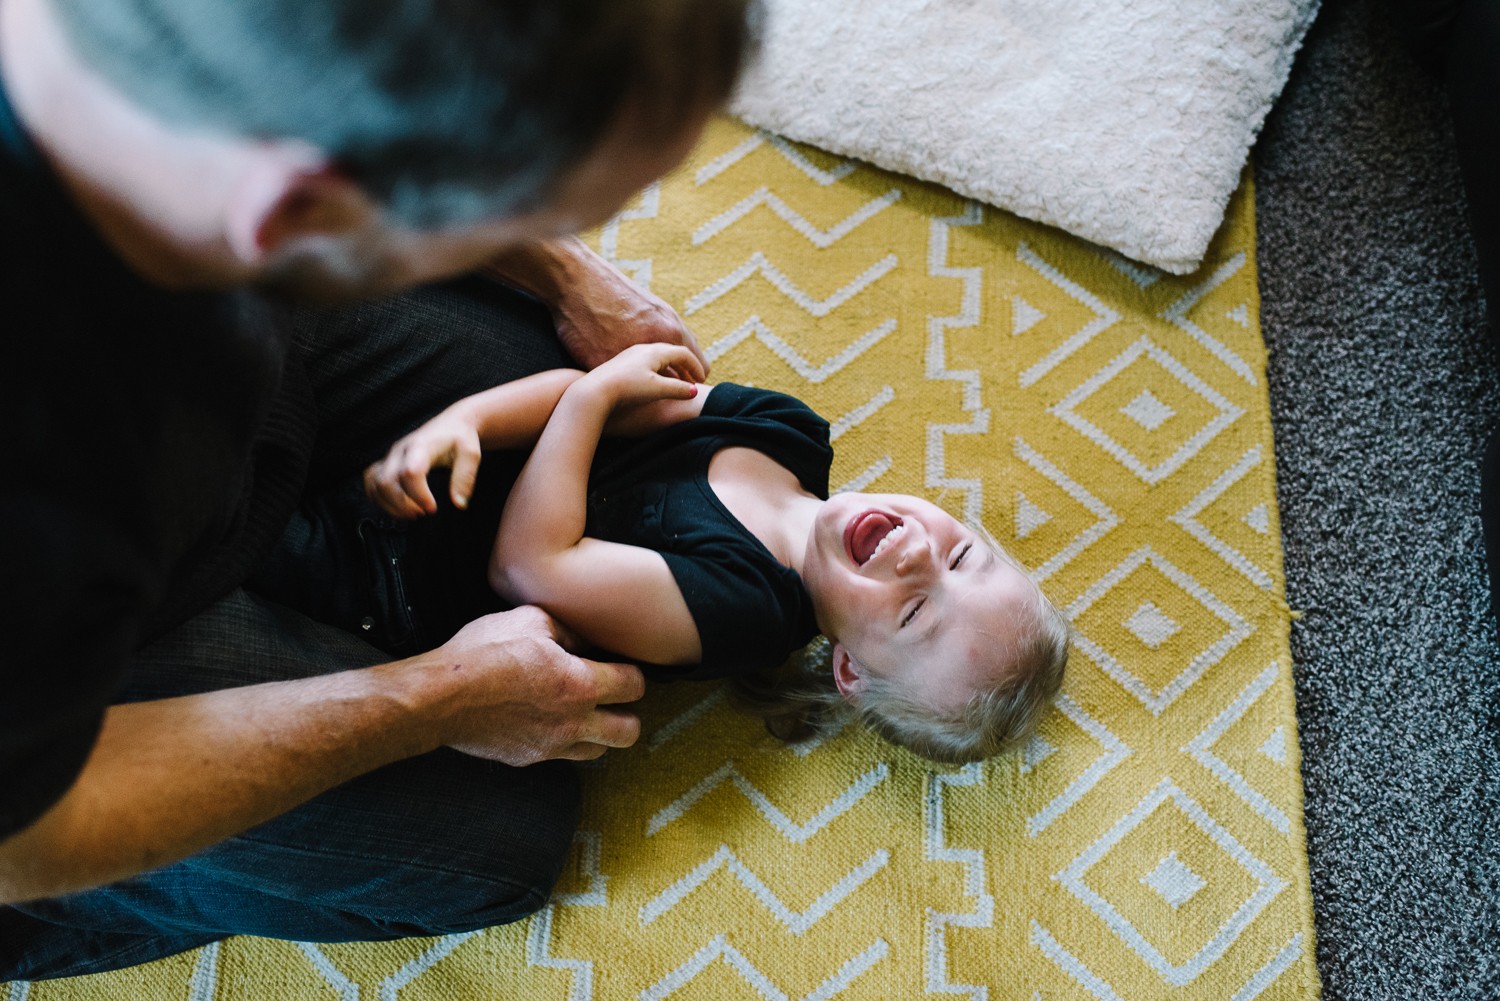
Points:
(706, 544)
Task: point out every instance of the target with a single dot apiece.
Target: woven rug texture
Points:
(1108, 422)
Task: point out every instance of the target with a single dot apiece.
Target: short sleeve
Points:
(782, 426)
(75, 599)
(750, 613)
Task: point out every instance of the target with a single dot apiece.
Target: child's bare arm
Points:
(622, 598)
(642, 419)
(511, 415)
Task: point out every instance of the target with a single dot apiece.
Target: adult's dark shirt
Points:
(148, 460)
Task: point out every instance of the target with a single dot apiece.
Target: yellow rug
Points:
(1111, 424)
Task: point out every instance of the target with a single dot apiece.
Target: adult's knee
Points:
(516, 848)
(436, 844)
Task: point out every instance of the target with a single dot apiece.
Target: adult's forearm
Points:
(170, 777)
(548, 269)
(597, 310)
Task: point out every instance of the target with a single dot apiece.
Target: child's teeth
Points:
(880, 547)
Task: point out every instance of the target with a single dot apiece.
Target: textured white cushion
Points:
(1124, 121)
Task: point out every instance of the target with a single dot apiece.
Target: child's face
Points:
(908, 593)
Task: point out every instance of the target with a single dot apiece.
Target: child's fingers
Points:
(670, 359)
(465, 471)
(396, 503)
(413, 482)
(680, 363)
(675, 389)
(387, 495)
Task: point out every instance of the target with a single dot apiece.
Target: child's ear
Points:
(848, 673)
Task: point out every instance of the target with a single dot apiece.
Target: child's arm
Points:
(622, 598)
(511, 415)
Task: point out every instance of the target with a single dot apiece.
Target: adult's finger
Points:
(616, 683)
(566, 638)
(583, 751)
(613, 728)
(691, 343)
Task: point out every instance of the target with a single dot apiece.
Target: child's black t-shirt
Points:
(653, 492)
(407, 586)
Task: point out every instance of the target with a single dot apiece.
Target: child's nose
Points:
(914, 558)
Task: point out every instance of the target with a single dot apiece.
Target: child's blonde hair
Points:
(800, 700)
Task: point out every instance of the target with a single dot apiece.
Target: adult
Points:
(181, 759)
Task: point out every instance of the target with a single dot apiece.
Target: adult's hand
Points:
(513, 692)
(597, 310)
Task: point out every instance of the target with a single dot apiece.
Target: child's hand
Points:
(398, 483)
(646, 373)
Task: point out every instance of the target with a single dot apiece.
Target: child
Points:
(706, 545)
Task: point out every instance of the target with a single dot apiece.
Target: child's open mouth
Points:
(867, 535)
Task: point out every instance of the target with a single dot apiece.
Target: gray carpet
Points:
(1383, 392)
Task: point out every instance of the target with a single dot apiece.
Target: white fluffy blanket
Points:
(1124, 121)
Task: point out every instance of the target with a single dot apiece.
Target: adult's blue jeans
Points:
(432, 845)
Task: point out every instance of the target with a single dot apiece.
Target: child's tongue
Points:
(867, 535)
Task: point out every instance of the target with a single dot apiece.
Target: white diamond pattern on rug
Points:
(1106, 519)
(1104, 316)
(1173, 880)
(1029, 517)
(1240, 314)
(1268, 885)
(1177, 313)
(1151, 625)
(1238, 630)
(1147, 411)
(1066, 411)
